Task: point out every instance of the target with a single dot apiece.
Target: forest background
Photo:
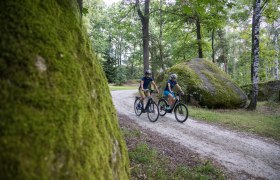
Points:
(219, 31)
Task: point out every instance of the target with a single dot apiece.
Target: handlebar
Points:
(180, 93)
(151, 91)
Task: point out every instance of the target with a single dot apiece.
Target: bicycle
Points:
(180, 109)
(151, 108)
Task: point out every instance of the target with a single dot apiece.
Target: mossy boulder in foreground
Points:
(57, 120)
(206, 83)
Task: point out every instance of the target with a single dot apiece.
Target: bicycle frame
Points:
(177, 100)
(180, 109)
(151, 108)
(150, 100)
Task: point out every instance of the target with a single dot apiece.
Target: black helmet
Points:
(148, 71)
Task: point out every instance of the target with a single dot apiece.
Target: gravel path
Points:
(237, 152)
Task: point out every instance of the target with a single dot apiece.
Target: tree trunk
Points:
(255, 54)
(54, 124)
(160, 38)
(80, 3)
(198, 35)
(145, 31)
(276, 46)
(226, 65)
(213, 50)
(120, 52)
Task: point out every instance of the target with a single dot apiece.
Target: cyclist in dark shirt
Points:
(145, 83)
(168, 89)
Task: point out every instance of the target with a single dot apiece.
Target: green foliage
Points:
(120, 76)
(173, 36)
(109, 67)
(57, 117)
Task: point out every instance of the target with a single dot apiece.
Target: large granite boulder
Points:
(205, 84)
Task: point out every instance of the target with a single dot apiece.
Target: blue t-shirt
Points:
(147, 81)
(172, 84)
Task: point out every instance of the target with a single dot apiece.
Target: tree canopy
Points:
(181, 30)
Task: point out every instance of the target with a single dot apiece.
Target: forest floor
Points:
(241, 155)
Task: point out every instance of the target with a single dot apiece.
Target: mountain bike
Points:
(180, 109)
(151, 107)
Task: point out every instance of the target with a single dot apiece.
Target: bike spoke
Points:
(162, 107)
(181, 112)
(153, 112)
(138, 107)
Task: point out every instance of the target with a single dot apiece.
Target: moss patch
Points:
(57, 117)
(206, 83)
(268, 91)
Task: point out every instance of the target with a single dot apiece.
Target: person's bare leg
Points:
(173, 101)
(170, 99)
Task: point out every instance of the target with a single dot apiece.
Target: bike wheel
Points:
(137, 107)
(162, 107)
(181, 112)
(153, 112)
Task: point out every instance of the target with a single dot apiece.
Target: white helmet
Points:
(173, 76)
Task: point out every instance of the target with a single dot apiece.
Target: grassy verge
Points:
(125, 87)
(265, 121)
(149, 161)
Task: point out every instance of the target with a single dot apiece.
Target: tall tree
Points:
(210, 14)
(276, 46)
(160, 36)
(255, 53)
(198, 36)
(80, 2)
(144, 17)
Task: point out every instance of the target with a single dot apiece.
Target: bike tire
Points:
(153, 112)
(181, 112)
(137, 111)
(162, 107)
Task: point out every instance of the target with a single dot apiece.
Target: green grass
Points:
(148, 163)
(265, 121)
(126, 87)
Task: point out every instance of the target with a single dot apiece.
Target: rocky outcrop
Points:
(268, 91)
(206, 84)
(57, 117)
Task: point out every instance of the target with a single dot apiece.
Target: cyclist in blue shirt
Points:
(168, 89)
(145, 83)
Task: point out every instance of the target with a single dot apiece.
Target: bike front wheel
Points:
(181, 112)
(162, 107)
(137, 107)
(153, 112)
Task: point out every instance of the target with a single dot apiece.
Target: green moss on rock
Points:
(57, 117)
(268, 91)
(209, 85)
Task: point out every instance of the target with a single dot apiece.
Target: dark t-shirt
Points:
(172, 84)
(147, 81)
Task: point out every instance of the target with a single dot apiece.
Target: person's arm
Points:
(153, 82)
(142, 82)
(169, 88)
(179, 87)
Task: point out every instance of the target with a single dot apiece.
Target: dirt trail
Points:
(237, 152)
